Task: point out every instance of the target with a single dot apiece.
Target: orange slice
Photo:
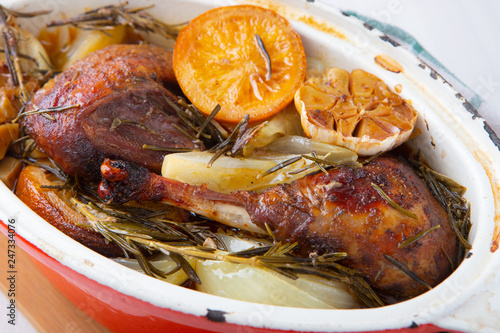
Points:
(246, 58)
(356, 111)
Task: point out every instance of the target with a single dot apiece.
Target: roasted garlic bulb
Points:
(354, 110)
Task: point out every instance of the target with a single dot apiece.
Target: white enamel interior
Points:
(454, 144)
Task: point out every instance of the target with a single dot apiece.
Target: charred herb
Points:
(20, 80)
(106, 17)
(204, 127)
(244, 138)
(10, 38)
(10, 42)
(207, 121)
(236, 141)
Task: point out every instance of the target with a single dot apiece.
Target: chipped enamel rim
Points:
(454, 139)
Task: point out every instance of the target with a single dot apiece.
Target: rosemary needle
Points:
(266, 56)
(208, 120)
(51, 109)
(117, 122)
(407, 271)
(418, 237)
(282, 165)
(393, 203)
(166, 149)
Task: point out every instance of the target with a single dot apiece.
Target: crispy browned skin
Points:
(54, 207)
(338, 211)
(126, 83)
(342, 211)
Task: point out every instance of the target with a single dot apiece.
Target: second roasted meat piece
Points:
(337, 211)
(120, 96)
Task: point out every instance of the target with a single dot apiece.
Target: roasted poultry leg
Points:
(116, 100)
(337, 211)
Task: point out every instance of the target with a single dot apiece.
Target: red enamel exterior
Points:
(123, 313)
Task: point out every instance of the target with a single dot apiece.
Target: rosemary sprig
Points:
(15, 13)
(185, 266)
(307, 167)
(21, 139)
(46, 110)
(194, 119)
(279, 249)
(231, 138)
(276, 257)
(393, 203)
(53, 168)
(450, 195)
(209, 130)
(28, 148)
(213, 129)
(239, 137)
(318, 164)
(457, 228)
(10, 42)
(447, 181)
(327, 163)
(145, 264)
(105, 17)
(282, 165)
(371, 158)
(185, 133)
(452, 265)
(11, 36)
(242, 139)
(23, 56)
(128, 229)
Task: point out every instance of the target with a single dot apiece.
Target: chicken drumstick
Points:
(337, 211)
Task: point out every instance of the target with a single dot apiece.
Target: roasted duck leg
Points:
(119, 98)
(337, 211)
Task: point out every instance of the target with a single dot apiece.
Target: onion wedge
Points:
(264, 286)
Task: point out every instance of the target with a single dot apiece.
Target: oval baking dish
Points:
(454, 139)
